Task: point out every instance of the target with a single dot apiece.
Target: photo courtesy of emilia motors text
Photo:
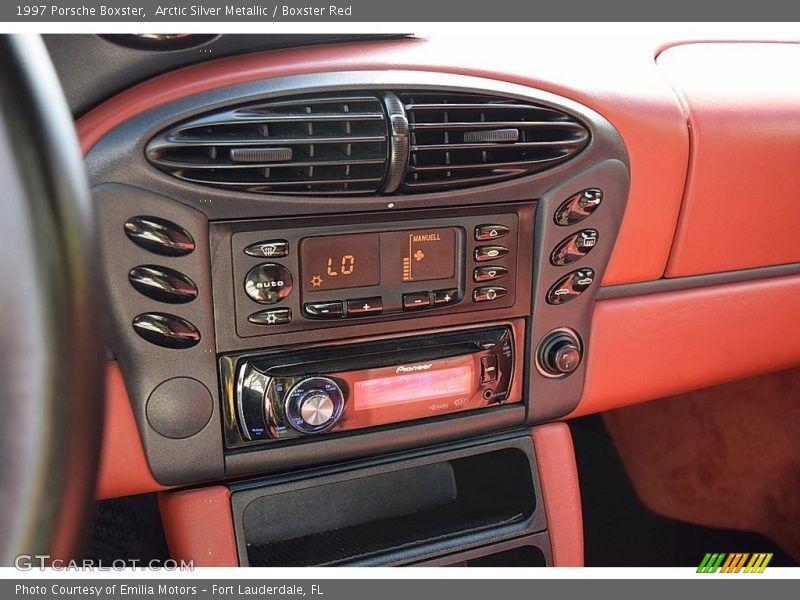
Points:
(399, 300)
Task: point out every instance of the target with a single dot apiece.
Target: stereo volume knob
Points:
(560, 353)
(316, 408)
(314, 405)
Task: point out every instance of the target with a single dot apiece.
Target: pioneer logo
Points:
(413, 368)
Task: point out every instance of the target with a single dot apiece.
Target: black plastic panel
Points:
(232, 264)
(178, 454)
(529, 202)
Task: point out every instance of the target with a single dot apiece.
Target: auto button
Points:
(268, 283)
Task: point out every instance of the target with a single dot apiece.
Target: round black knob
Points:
(314, 405)
(560, 353)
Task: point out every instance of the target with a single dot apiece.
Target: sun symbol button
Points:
(316, 281)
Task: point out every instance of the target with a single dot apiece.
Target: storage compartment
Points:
(392, 513)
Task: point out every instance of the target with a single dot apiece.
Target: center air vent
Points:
(367, 143)
(320, 145)
(466, 140)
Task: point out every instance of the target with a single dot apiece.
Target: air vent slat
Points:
(521, 165)
(498, 124)
(464, 140)
(367, 143)
(567, 146)
(269, 141)
(175, 164)
(312, 101)
(304, 118)
(476, 180)
(327, 144)
(296, 183)
(498, 105)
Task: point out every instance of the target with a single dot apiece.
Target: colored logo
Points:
(744, 562)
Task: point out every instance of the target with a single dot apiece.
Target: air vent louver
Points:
(368, 142)
(319, 145)
(464, 140)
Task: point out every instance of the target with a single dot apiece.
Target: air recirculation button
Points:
(163, 284)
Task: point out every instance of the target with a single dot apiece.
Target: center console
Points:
(366, 287)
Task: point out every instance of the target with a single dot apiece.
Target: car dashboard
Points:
(355, 288)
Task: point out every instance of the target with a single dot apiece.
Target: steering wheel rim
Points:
(51, 338)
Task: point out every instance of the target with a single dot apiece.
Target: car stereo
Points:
(282, 395)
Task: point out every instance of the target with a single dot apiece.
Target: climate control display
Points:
(394, 257)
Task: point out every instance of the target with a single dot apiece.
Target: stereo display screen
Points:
(411, 387)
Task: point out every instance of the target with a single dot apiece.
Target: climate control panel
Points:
(313, 274)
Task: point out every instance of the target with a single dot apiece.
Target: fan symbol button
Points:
(419, 255)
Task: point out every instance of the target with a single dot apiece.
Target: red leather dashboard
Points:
(736, 210)
(740, 205)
